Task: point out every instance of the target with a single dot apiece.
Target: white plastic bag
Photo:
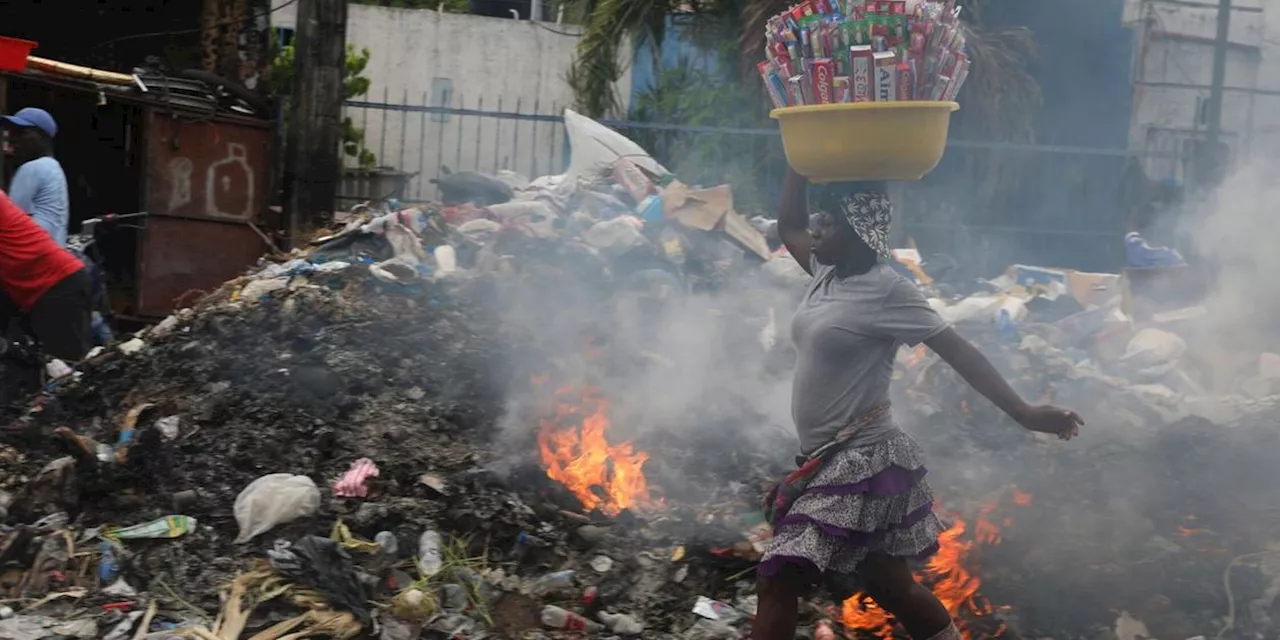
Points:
(594, 148)
(1153, 347)
(614, 237)
(274, 499)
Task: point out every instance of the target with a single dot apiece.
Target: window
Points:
(284, 36)
(441, 96)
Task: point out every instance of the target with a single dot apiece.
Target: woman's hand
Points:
(1052, 420)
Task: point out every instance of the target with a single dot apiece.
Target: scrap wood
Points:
(233, 618)
(141, 632)
(74, 594)
(54, 67)
(340, 625)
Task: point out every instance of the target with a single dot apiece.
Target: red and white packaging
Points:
(953, 89)
(823, 75)
(906, 88)
(795, 91)
(861, 76)
(886, 76)
(940, 87)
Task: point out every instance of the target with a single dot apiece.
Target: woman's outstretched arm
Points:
(985, 379)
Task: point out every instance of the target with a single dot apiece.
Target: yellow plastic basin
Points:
(865, 140)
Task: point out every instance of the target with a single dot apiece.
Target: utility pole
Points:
(1213, 155)
(1220, 46)
(312, 160)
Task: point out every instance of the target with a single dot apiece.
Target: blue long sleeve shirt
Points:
(40, 188)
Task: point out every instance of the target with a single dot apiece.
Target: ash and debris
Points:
(366, 407)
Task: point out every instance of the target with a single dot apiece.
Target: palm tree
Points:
(610, 25)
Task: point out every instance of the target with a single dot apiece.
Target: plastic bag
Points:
(320, 563)
(615, 237)
(1153, 347)
(274, 499)
(594, 148)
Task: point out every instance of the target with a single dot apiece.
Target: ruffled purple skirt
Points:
(862, 500)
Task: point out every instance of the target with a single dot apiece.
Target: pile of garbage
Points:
(313, 449)
(357, 439)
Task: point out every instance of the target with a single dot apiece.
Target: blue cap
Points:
(34, 118)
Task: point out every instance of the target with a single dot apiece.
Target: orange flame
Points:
(577, 455)
(954, 585)
(916, 356)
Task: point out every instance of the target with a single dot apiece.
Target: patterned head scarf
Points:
(868, 211)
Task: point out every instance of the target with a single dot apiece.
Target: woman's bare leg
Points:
(889, 582)
(778, 605)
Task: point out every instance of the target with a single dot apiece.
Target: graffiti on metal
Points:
(210, 169)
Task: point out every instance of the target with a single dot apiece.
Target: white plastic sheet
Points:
(594, 148)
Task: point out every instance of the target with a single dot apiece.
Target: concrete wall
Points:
(1176, 45)
(423, 57)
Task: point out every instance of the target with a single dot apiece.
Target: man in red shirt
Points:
(44, 281)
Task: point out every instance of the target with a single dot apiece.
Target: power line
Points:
(183, 32)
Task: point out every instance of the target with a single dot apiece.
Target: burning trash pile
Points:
(476, 420)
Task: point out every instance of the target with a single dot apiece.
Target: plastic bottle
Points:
(621, 623)
(387, 543)
(446, 258)
(556, 618)
(531, 541)
(554, 582)
(430, 555)
(108, 568)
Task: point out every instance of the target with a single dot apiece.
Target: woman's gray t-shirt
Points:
(847, 332)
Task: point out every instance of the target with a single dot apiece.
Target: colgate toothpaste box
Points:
(823, 75)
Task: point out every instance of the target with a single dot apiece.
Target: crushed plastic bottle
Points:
(430, 553)
(556, 618)
(621, 623)
(553, 582)
(108, 568)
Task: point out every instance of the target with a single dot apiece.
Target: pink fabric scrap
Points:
(352, 484)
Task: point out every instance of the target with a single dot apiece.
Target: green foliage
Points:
(691, 96)
(354, 85)
(609, 25)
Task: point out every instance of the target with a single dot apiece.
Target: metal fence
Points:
(413, 142)
(1055, 205)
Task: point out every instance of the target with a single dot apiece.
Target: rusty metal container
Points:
(206, 182)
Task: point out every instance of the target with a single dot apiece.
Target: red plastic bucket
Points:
(14, 52)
